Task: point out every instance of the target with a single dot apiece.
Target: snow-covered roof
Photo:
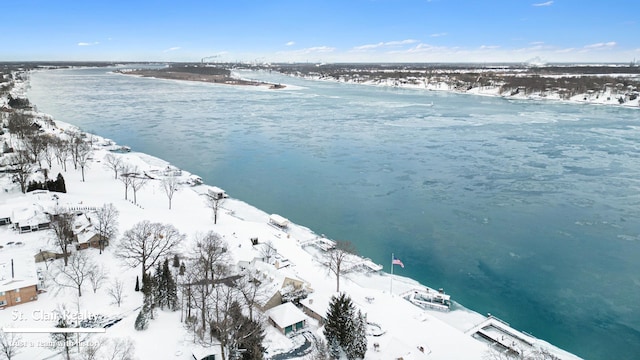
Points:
(278, 220)
(317, 302)
(24, 273)
(200, 352)
(29, 215)
(286, 314)
(86, 235)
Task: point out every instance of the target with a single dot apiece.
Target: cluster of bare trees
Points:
(132, 178)
(213, 300)
(31, 147)
(218, 298)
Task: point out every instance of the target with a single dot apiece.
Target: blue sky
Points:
(322, 31)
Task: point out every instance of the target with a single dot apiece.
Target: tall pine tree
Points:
(358, 347)
(345, 330)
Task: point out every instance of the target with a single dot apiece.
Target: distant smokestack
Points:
(12, 275)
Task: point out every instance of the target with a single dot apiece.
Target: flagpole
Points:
(391, 286)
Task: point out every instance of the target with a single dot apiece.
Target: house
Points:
(286, 318)
(5, 216)
(29, 218)
(44, 255)
(316, 307)
(281, 285)
(18, 282)
(88, 238)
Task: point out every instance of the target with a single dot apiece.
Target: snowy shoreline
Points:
(489, 81)
(445, 335)
(606, 98)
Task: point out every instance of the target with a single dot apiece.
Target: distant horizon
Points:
(632, 63)
(329, 31)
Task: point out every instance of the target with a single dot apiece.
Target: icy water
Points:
(527, 210)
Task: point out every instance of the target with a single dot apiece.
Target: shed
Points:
(217, 193)
(287, 318)
(278, 221)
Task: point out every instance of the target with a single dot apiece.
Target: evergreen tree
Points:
(60, 186)
(176, 261)
(345, 330)
(246, 336)
(142, 321)
(137, 283)
(160, 287)
(148, 305)
(171, 287)
(358, 347)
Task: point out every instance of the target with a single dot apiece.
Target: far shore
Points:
(192, 76)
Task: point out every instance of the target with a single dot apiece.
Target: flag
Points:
(397, 261)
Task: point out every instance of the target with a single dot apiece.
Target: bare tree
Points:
(61, 149)
(136, 181)
(22, 168)
(337, 256)
(267, 251)
(116, 291)
(64, 340)
(214, 203)
(253, 291)
(83, 154)
(91, 349)
(146, 242)
(75, 273)
(61, 224)
(75, 143)
(126, 172)
(221, 320)
(20, 124)
(106, 224)
(9, 344)
(35, 144)
(120, 349)
(48, 152)
(208, 265)
(114, 163)
(170, 186)
(97, 276)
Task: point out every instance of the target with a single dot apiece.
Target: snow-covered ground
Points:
(403, 330)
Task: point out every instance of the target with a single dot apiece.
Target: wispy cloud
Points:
(171, 49)
(290, 43)
(489, 47)
(601, 45)
(310, 50)
(385, 44)
(438, 34)
(88, 44)
(546, 3)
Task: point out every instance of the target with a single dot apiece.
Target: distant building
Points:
(18, 281)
